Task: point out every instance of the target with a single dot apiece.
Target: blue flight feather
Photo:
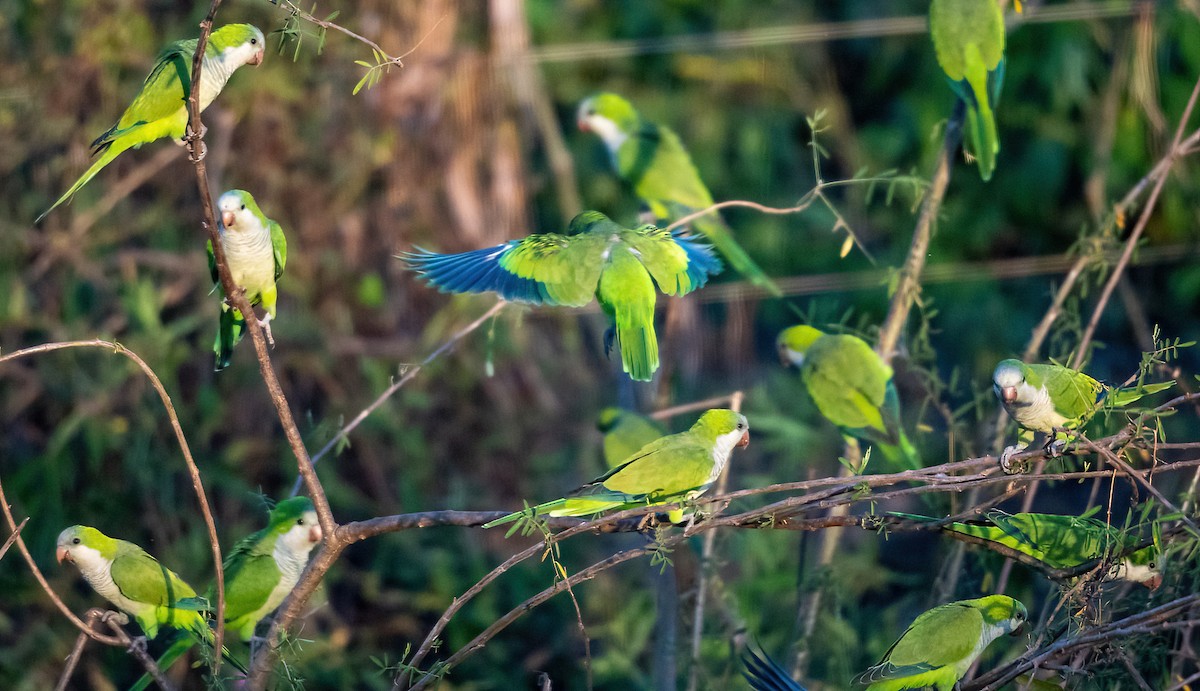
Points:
(477, 271)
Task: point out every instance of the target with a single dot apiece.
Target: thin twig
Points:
(13, 537)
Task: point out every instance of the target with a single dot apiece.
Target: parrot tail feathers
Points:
(110, 151)
(229, 334)
(1124, 397)
(639, 347)
(765, 674)
(529, 512)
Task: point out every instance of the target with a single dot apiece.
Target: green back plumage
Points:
(625, 433)
(1061, 542)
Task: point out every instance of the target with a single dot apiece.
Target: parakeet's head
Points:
(296, 522)
(728, 428)
(1143, 566)
(84, 546)
(1007, 380)
(1002, 612)
(608, 418)
(610, 116)
(239, 211)
(586, 221)
(239, 44)
(793, 342)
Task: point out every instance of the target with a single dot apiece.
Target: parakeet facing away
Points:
(625, 433)
(968, 38)
(675, 468)
(852, 387)
(1063, 542)
(1049, 398)
(652, 160)
(260, 571)
(765, 674)
(256, 251)
(941, 644)
(160, 108)
(596, 256)
(127, 576)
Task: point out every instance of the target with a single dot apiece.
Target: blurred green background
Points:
(465, 146)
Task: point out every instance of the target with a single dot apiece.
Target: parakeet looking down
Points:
(675, 468)
(256, 251)
(968, 38)
(160, 108)
(1062, 542)
(940, 645)
(625, 433)
(1050, 398)
(852, 387)
(652, 160)
(620, 266)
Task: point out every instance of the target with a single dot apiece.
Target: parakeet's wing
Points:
(141, 578)
(764, 674)
(212, 263)
(278, 247)
(941, 636)
(162, 94)
(1075, 395)
(848, 382)
(654, 161)
(666, 467)
(678, 263)
(249, 582)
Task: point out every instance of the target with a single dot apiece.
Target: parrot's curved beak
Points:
(784, 358)
(1153, 582)
(61, 554)
(583, 125)
(257, 59)
(744, 441)
(315, 534)
(1008, 394)
(228, 218)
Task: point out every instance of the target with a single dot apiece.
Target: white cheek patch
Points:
(608, 131)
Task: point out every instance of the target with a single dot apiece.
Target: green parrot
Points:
(160, 108)
(671, 469)
(941, 645)
(625, 433)
(1062, 542)
(1051, 398)
(259, 573)
(852, 387)
(127, 576)
(652, 160)
(256, 251)
(596, 256)
(968, 38)
(765, 674)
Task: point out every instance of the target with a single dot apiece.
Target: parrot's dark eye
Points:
(254, 41)
(299, 521)
(741, 426)
(243, 207)
(76, 541)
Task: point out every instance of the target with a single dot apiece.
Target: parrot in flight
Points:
(256, 251)
(596, 256)
(941, 645)
(128, 577)
(765, 674)
(625, 433)
(651, 159)
(968, 38)
(1062, 542)
(260, 571)
(1052, 398)
(852, 387)
(160, 108)
(671, 469)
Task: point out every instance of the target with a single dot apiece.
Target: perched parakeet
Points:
(256, 251)
(1063, 542)
(260, 571)
(596, 256)
(941, 644)
(625, 433)
(968, 38)
(127, 576)
(652, 160)
(765, 674)
(1049, 398)
(671, 469)
(160, 109)
(852, 387)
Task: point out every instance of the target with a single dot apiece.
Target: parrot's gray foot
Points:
(198, 148)
(1055, 447)
(1010, 466)
(265, 323)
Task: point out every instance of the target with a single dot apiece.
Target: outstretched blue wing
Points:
(477, 271)
(702, 258)
(765, 674)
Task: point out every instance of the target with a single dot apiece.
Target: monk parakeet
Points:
(941, 644)
(968, 38)
(596, 256)
(160, 109)
(671, 469)
(260, 571)
(127, 576)
(256, 251)
(765, 674)
(1063, 542)
(1050, 398)
(652, 160)
(852, 387)
(625, 433)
